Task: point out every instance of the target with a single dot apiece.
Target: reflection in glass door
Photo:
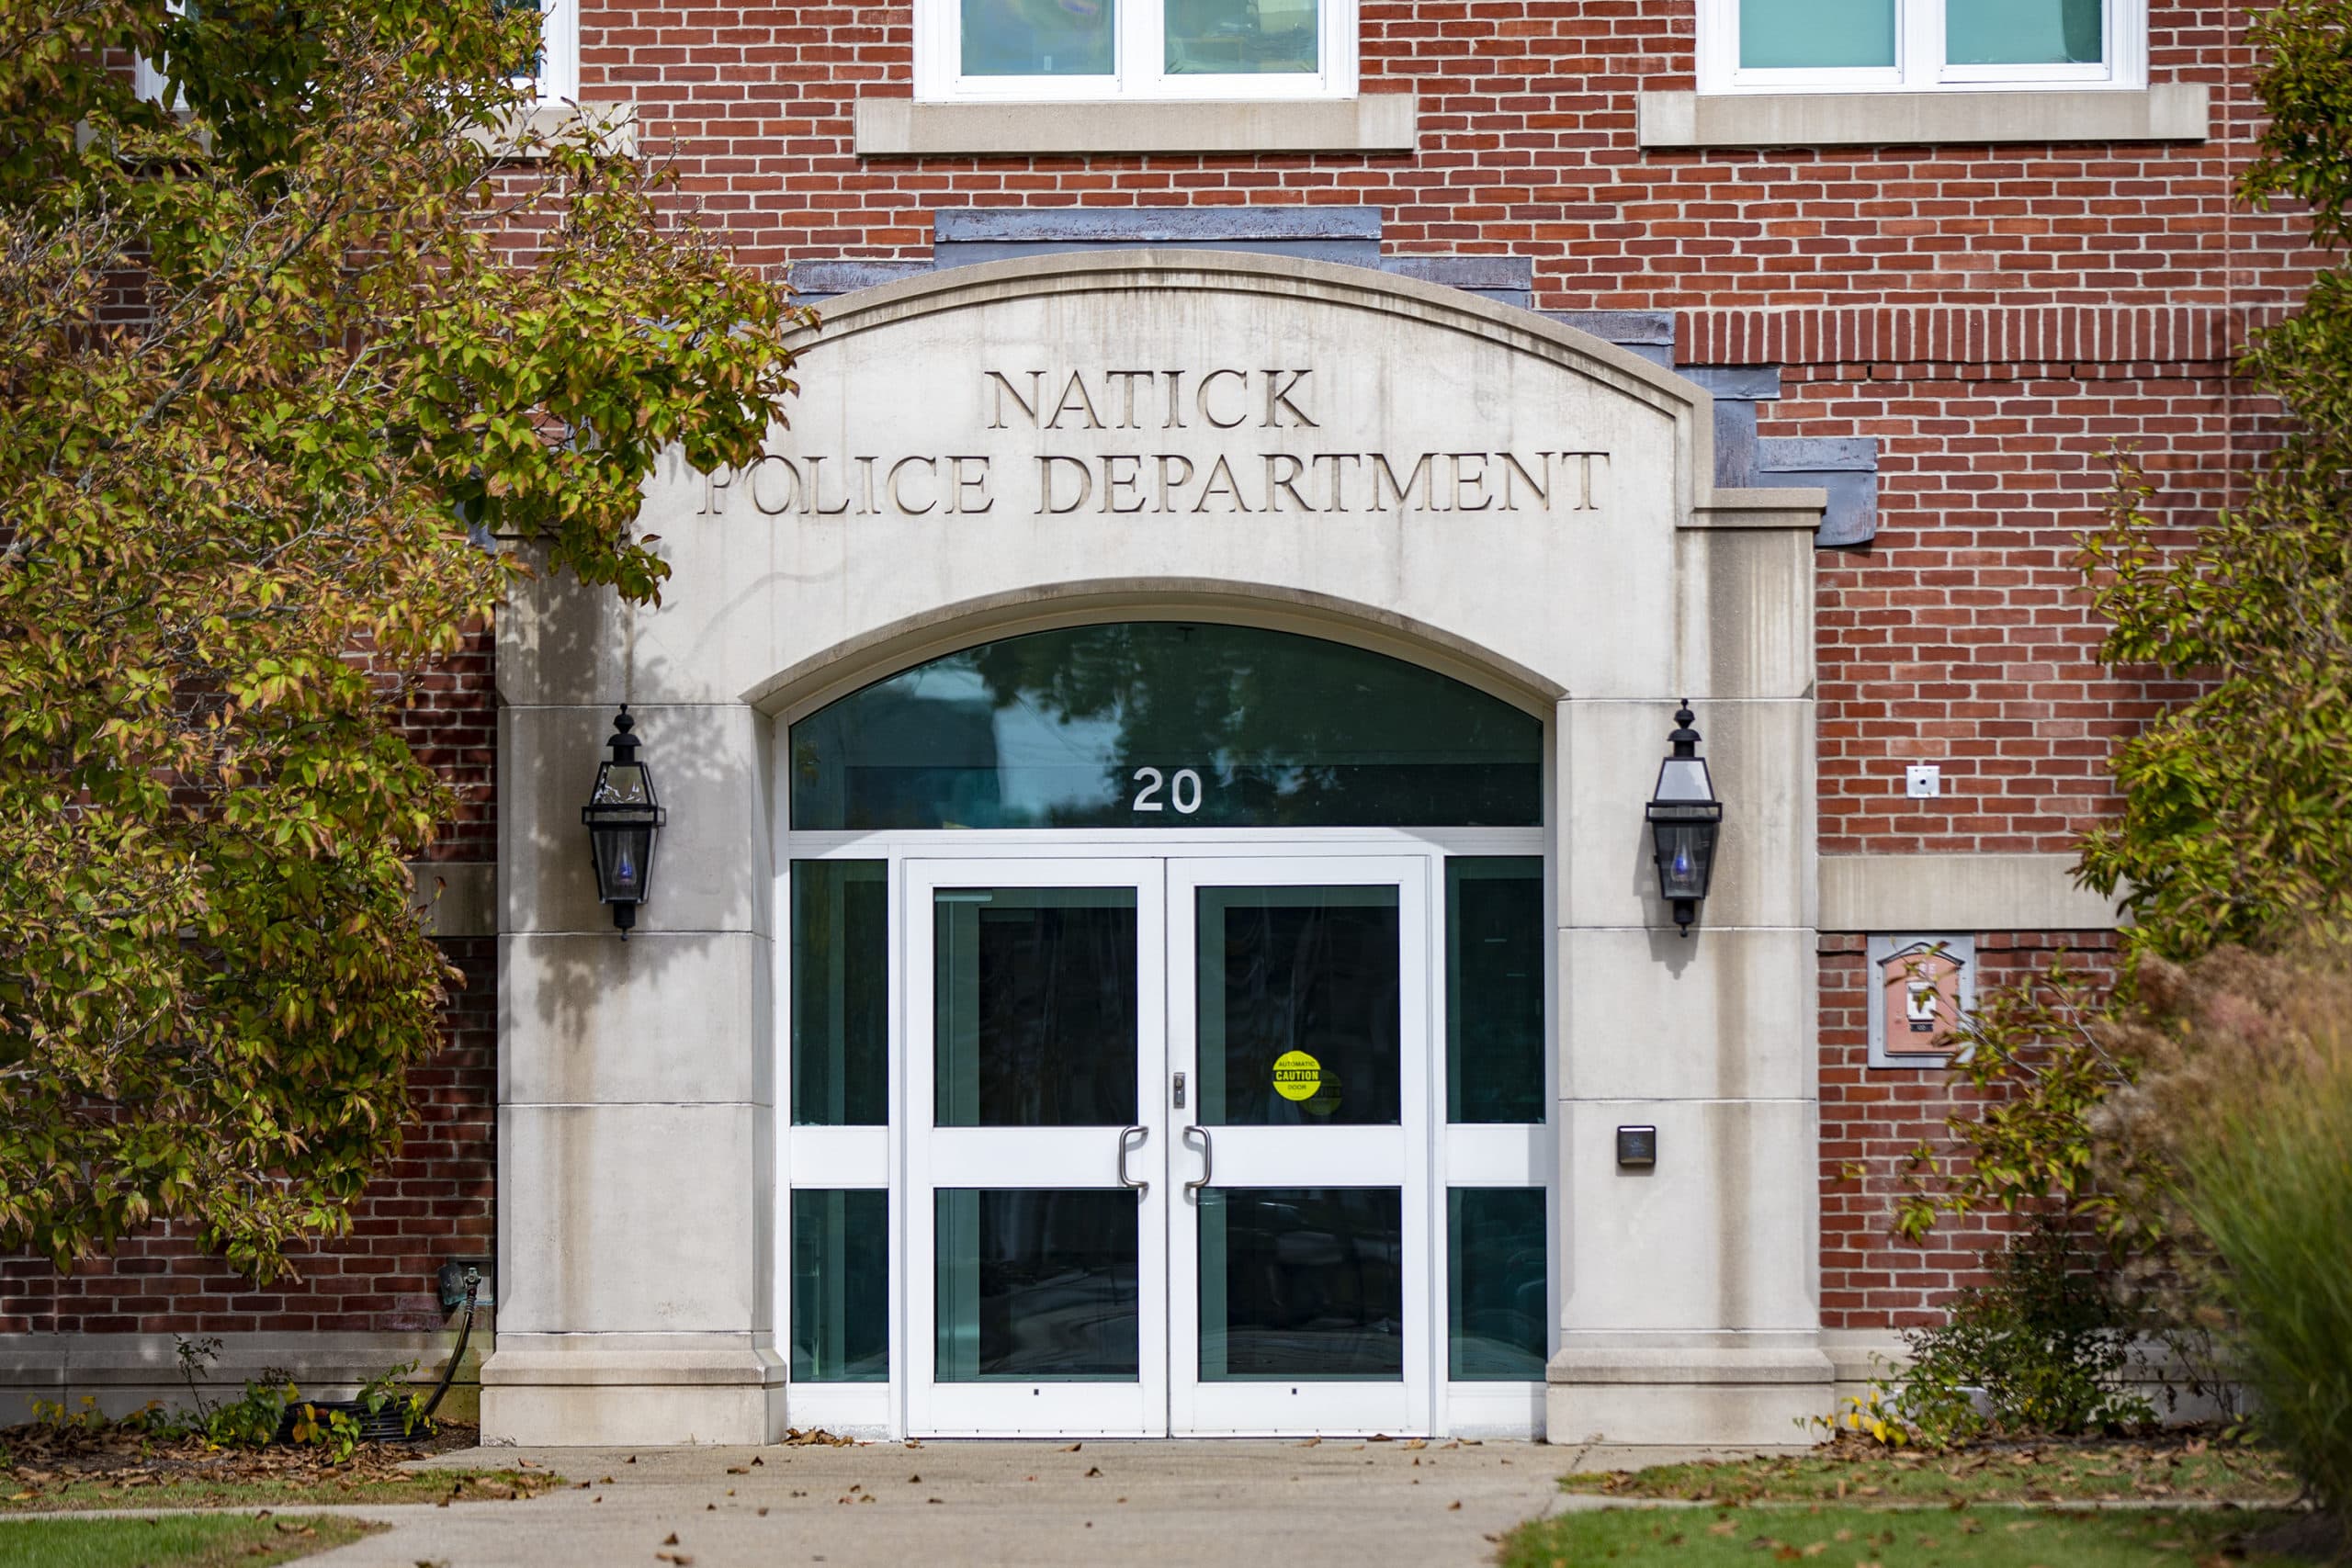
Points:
(1035, 1217)
(1300, 1295)
(1169, 1142)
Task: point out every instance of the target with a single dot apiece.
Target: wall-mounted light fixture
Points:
(623, 819)
(1684, 818)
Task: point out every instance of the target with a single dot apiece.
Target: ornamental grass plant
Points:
(2248, 1100)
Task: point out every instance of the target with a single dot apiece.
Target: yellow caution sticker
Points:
(1297, 1075)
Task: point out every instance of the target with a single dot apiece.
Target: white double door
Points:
(1168, 1147)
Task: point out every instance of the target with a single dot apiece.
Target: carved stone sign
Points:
(1168, 454)
(1171, 430)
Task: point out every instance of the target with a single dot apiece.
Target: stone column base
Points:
(550, 1391)
(1761, 1397)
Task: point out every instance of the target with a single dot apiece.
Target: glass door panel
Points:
(1038, 1286)
(1036, 1007)
(1036, 1156)
(1301, 1284)
(1298, 1262)
(1298, 1010)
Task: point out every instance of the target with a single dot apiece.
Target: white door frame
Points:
(1289, 1156)
(816, 1156)
(1058, 1157)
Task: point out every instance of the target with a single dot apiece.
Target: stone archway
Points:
(995, 444)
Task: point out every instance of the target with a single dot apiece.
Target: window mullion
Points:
(1141, 24)
(1919, 34)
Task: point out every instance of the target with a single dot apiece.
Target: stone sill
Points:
(2173, 111)
(525, 137)
(901, 127)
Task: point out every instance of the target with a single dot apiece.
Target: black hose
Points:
(465, 1331)
(391, 1423)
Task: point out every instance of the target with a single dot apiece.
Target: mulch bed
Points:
(42, 1457)
(2179, 1465)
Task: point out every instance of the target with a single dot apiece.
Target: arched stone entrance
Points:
(1148, 436)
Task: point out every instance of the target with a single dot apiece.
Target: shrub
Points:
(2041, 1349)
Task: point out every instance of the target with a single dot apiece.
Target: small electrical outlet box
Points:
(1923, 780)
(450, 1281)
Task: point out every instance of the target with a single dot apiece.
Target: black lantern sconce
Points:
(623, 819)
(1684, 818)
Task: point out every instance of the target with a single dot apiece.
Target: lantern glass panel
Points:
(1685, 778)
(1685, 851)
(624, 861)
(623, 784)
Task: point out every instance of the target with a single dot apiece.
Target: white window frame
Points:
(147, 80)
(558, 80)
(1140, 56)
(1919, 64)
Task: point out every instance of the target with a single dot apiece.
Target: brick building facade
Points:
(1941, 304)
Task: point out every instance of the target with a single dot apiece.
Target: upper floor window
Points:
(1833, 46)
(552, 72)
(1029, 50)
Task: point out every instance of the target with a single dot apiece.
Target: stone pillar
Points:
(1690, 1306)
(637, 1101)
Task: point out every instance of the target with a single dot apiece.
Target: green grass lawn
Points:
(226, 1541)
(1835, 1536)
(2051, 1473)
(268, 1492)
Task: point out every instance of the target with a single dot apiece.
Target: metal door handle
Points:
(1208, 1157)
(1125, 1134)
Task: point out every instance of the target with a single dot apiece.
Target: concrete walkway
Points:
(1280, 1503)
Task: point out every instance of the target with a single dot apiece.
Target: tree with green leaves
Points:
(2237, 808)
(2236, 832)
(279, 354)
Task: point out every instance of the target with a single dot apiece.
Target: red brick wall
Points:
(1963, 636)
(1872, 1119)
(1527, 147)
(434, 1200)
(450, 715)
